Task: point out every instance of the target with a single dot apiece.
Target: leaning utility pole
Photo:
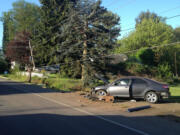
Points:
(31, 52)
(31, 60)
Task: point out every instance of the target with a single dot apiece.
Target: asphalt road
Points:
(25, 111)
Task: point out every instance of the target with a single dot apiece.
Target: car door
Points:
(119, 88)
(138, 87)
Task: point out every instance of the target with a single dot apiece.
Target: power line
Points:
(173, 17)
(110, 4)
(165, 11)
(166, 19)
(157, 46)
(127, 52)
(127, 3)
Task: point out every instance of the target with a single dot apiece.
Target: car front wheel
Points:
(101, 93)
(151, 97)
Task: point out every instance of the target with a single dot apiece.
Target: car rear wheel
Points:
(151, 97)
(101, 93)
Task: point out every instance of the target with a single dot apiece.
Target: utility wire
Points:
(165, 11)
(171, 17)
(157, 46)
(127, 52)
(112, 2)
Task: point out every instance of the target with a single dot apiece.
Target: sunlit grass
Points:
(52, 81)
(175, 90)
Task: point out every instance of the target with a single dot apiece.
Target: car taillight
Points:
(165, 86)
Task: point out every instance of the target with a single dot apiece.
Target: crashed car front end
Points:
(94, 89)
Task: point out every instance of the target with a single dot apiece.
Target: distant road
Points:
(25, 111)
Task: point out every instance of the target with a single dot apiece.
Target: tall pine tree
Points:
(47, 39)
(90, 34)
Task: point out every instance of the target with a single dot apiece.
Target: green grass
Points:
(16, 77)
(175, 94)
(52, 81)
(175, 90)
(66, 84)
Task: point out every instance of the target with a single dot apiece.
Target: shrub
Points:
(70, 70)
(145, 56)
(137, 68)
(164, 72)
(3, 65)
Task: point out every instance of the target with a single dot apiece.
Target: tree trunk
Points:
(84, 57)
(29, 78)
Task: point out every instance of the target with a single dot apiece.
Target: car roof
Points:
(132, 77)
(143, 78)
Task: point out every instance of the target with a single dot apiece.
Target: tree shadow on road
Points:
(10, 87)
(53, 124)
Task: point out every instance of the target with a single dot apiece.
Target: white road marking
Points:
(92, 114)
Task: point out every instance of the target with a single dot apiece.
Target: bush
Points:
(15, 70)
(164, 72)
(137, 68)
(145, 56)
(3, 65)
(70, 70)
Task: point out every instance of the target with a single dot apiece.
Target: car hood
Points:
(106, 81)
(103, 87)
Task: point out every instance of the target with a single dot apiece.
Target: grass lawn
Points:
(52, 81)
(175, 94)
(175, 90)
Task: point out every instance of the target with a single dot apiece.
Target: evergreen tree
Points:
(53, 14)
(8, 28)
(90, 34)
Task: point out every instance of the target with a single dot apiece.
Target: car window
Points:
(122, 82)
(139, 81)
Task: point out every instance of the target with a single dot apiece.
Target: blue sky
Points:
(128, 10)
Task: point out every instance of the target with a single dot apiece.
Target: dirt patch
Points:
(169, 111)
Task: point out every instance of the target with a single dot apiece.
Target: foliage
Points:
(70, 69)
(165, 72)
(15, 70)
(138, 69)
(3, 65)
(53, 14)
(149, 16)
(89, 33)
(152, 35)
(18, 49)
(145, 56)
(23, 16)
(177, 33)
(65, 84)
